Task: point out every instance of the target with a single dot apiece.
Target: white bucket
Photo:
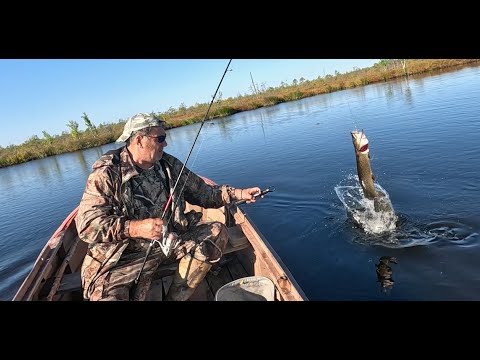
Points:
(251, 288)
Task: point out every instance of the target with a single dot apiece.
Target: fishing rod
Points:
(169, 241)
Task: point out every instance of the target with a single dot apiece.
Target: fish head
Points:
(360, 141)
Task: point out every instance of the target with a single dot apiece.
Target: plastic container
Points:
(251, 288)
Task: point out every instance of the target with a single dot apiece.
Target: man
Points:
(126, 205)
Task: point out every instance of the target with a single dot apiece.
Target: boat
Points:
(247, 259)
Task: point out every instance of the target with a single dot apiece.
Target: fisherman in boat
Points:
(131, 199)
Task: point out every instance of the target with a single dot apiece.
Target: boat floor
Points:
(233, 266)
(237, 262)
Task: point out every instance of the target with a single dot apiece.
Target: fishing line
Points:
(351, 113)
(200, 146)
(190, 152)
(172, 191)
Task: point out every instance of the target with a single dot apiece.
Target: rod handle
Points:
(261, 193)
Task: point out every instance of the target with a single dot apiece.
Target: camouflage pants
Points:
(205, 241)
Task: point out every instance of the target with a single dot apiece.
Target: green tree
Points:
(73, 125)
(88, 123)
(383, 62)
(182, 108)
(47, 137)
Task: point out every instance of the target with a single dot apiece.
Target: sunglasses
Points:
(160, 139)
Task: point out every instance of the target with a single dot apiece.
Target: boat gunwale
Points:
(43, 267)
(43, 262)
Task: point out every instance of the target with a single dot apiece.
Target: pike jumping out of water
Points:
(365, 175)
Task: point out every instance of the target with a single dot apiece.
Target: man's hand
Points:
(249, 194)
(150, 229)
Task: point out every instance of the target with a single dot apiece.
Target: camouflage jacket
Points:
(111, 200)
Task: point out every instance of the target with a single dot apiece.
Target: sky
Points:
(39, 95)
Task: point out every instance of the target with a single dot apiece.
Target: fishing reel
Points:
(169, 242)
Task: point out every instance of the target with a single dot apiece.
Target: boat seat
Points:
(236, 241)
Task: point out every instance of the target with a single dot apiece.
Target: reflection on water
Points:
(399, 89)
(81, 160)
(262, 120)
(389, 91)
(224, 128)
(48, 167)
(359, 93)
(408, 92)
(6, 178)
(384, 272)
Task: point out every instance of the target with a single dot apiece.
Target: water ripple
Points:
(410, 233)
(371, 228)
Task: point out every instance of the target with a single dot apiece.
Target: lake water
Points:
(423, 137)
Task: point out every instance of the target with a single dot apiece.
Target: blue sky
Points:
(46, 94)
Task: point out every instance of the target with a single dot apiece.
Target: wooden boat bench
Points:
(237, 241)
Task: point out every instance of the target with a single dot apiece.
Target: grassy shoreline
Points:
(105, 133)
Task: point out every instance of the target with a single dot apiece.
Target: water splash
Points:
(362, 210)
(398, 230)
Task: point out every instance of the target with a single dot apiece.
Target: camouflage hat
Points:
(138, 122)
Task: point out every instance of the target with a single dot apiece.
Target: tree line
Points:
(260, 95)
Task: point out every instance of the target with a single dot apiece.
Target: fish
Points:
(365, 174)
